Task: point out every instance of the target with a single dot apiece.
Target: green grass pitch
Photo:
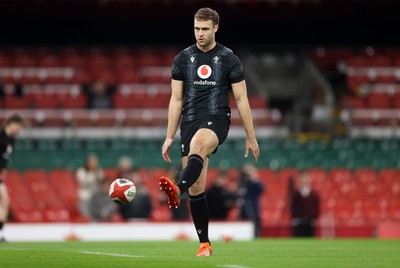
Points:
(236, 254)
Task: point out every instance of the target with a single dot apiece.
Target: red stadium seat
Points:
(45, 196)
(45, 101)
(396, 100)
(81, 77)
(149, 59)
(75, 60)
(129, 77)
(378, 100)
(352, 102)
(50, 60)
(67, 189)
(70, 101)
(386, 79)
(354, 82)
(340, 175)
(285, 174)
(99, 62)
(124, 62)
(12, 102)
(25, 60)
(366, 61)
(5, 60)
(105, 75)
(23, 207)
(387, 176)
(365, 176)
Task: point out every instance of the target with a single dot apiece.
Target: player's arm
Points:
(240, 93)
(174, 116)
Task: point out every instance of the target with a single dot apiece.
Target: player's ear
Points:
(216, 26)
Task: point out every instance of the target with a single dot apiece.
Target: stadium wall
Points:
(133, 231)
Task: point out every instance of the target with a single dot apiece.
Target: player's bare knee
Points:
(196, 189)
(198, 149)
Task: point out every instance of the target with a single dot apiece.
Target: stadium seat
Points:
(71, 101)
(50, 60)
(396, 100)
(129, 77)
(354, 82)
(352, 102)
(45, 196)
(5, 60)
(23, 207)
(378, 100)
(365, 176)
(65, 185)
(75, 60)
(124, 62)
(386, 79)
(12, 102)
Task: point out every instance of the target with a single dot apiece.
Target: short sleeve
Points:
(236, 74)
(177, 68)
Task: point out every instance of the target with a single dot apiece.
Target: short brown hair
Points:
(207, 13)
(15, 118)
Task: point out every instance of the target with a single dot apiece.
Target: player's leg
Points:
(4, 206)
(202, 144)
(200, 212)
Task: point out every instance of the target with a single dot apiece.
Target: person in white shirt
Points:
(89, 177)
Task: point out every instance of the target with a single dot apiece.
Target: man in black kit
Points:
(203, 77)
(13, 125)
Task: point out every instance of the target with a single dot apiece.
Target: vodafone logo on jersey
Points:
(204, 71)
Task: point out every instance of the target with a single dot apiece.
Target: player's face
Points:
(204, 31)
(13, 129)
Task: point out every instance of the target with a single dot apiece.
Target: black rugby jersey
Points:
(6, 148)
(207, 78)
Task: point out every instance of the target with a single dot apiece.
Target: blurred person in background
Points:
(182, 212)
(12, 126)
(305, 208)
(102, 208)
(89, 177)
(204, 75)
(99, 95)
(125, 167)
(222, 199)
(141, 206)
(250, 190)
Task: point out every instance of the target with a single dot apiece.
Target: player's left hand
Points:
(253, 146)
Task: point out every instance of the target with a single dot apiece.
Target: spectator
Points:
(102, 208)
(222, 199)
(89, 176)
(141, 206)
(250, 191)
(99, 95)
(182, 212)
(125, 167)
(304, 208)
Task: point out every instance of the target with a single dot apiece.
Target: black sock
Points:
(191, 173)
(199, 210)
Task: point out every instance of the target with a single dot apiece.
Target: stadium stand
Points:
(357, 178)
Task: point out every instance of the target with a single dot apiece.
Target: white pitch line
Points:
(111, 254)
(232, 266)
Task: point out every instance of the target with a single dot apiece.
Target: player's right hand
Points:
(166, 148)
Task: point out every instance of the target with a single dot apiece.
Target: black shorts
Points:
(220, 125)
